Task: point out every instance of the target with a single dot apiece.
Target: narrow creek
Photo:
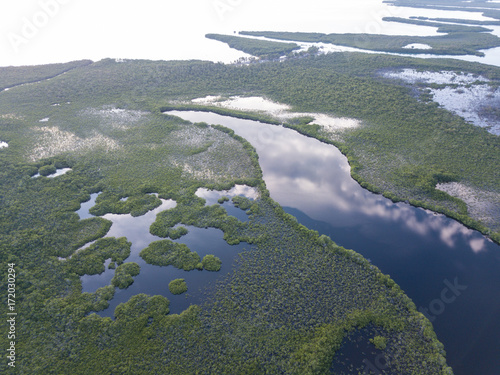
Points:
(452, 273)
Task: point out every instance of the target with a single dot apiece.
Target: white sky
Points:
(45, 31)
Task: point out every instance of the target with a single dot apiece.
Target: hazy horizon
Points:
(48, 31)
(51, 31)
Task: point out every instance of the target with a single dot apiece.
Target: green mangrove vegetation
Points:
(176, 233)
(294, 297)
(302, 263)
(211, 263)
(259, 48)
(242, 202)
(192, 211)
(486, 8)
(47, 170)
(177, 286)
(14, 76)
(90, 260)
(442, 27)
(166, 253)
(124, 273)
(380, 342)
(459, 40)
(136, 205)
(461, 21)
(223, 199)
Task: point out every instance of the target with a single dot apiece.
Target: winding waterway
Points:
(452, 273)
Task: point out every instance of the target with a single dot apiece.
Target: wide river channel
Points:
(452, 273)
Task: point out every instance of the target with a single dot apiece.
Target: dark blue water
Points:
(451, 273)
(153, 280)
(358, 355)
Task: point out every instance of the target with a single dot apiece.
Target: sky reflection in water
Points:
(296, 166)
(421, 250)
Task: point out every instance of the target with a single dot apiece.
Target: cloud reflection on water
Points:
(136, 229)
(314, 177)
(211, 196)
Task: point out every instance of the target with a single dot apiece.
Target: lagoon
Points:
(154, 280)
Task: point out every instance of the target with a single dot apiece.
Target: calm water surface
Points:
(153, 280)
(452, 273)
